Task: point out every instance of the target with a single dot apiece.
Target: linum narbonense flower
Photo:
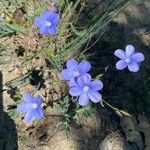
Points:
(47, 22)
(74, 69)
(86, 89)
(80, 83)
(129, 59)
(31, 107)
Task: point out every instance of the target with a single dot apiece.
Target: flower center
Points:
(127, 60)
(76, 74)
(86, 88)
(48, 24)
(34, 106)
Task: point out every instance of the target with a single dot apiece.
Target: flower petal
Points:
(120, 65)
(33, 114)
(38, 100)
(51, 16)
(83, 99)
(73, 82)
(38, 21)
(96, 85)
(72, 64)
(130, 50)
(84, 80)
(120, 54)
(23, 107)
(28, 98)
(94, 96)
(138, 57)
(29, 117)
(133, 67)
(44, 30)
(39, 113)
(54, 18)
(84, 66)
(46, 14)
(75, 91)
(52, 29)
(67, 74)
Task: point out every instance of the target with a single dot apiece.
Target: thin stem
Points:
(110, 105)
(117, 111)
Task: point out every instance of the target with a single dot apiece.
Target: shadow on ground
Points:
(8, 133)
(123, 89)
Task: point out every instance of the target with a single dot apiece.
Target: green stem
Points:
(110, 105)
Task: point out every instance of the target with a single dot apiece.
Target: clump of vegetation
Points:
(38, 37)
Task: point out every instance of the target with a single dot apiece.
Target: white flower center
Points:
(86, 88)
(34, 106)
(48, 24)
(127, 60)
(76, 74)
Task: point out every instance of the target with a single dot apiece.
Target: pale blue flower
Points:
(129, 59)
(31, 107)
(75, 70)
(47, 22)
(86, 90)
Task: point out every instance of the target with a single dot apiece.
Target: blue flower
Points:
(86, 90)
(31, 107)
(75, 70)
(47, 22)
(129, 59)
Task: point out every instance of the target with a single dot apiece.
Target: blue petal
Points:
(52, 29)
(120, 54)
(67, 74)
(38, 100)
(54, 18)
(84, 80)
(130, 50)
(23, 107)
(39, 22)
(33, 114)
(27, 97)
(96, 85)
(46, 14)
(84, 66)
(120, 65)
(39, 113)
(138, 57)
(133, 67)
(29, 117)
(72, 64)
(73, 82)
(75, 91)
(83, 99)
(51, 16)
(94, 96)
(44, 30)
